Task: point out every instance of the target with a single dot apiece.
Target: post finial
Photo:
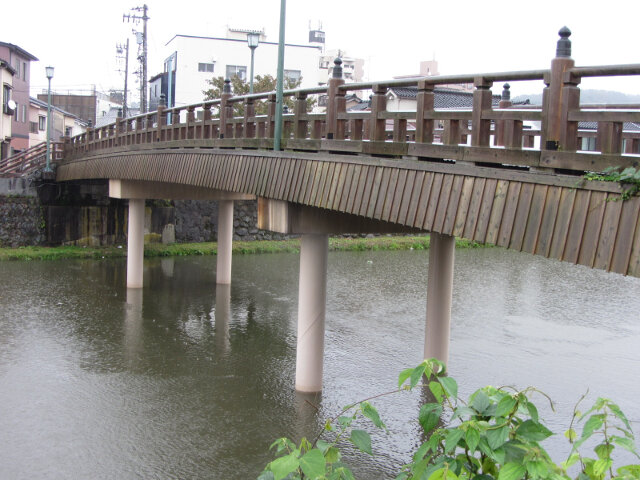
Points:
(564, 44)
(506, 93)
(163, 101)
(227, 86)
(337, 68)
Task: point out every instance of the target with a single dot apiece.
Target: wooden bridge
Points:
(511, 176)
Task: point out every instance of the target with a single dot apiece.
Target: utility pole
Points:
(142, 57)
(119, 50)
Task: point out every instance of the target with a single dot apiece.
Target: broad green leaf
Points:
(345, 421)
(437, 391)
(615, 409)
(603, 450)
(573, 458)
(460, 411)
(452, 439)
(402, 476)
(450, 386)
(505, 406)
(571, 435)
(625, 443)
(323, 446)
(497, 436)
(313, 464)
(342, 473)
(512, 471)
(429, 416)
(593, 424)
(416, 374)
(418, 468)
(602, 466)
(533, 411)
(266, 475)
(532, 431)
(537, 469)
(421, 452)
(472, 437)
(283, 466)
(404, 375)
(631, 470)
(480, 401)
(332, 455)
(443, 474)
(371, 413)
(362, 440)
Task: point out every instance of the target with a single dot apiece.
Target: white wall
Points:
(190, 83)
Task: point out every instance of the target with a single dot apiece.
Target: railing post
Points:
(481, 127)
(226, 110)
(333, 102)
(554, 115)
(161, 121)
(271, 116)
(426, 103)
(378, 126)
(609, 139)
(249, 126)
(300, 111)
(191, 118)
(206, 119)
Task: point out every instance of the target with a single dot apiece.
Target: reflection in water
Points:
(200, 381)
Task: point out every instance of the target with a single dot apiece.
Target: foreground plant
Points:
(496, 434)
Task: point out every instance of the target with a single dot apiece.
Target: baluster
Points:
(609, 139)
(400, 130)
(271, 116)
(249, 127)
(378, 125)
(191, 118)
(226, 110)
(481, 127)
(161, 122)
(426, 103)
(300, 111)
(335, 101)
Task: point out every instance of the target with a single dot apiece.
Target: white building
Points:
(198, 59)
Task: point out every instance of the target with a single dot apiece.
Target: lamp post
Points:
(253, 39)
(49, 72)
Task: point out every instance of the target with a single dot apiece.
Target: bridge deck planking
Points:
(574, 223)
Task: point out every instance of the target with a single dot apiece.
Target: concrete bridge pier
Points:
(135, 243)
(225, 242)
(439, 296)
(315, 225)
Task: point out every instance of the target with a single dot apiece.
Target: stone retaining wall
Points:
(22, 222)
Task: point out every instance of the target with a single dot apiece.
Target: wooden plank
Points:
(522, 216)
(509, 214)
(331, 197)
(314, 183)
(610, 224)
(368, 188)
(334, 171)
(485, 210)
(285, 184)
(337, 198)
(375, 190)
(576, 226)
(474, 208)
(443, 202)
(389, 196)
(495, 217)
(562, 223)
(354, 187)
(275, 177)
(302, 189)
(384, 184)
(432, 202)
(624, 239)
(463, 206)
(405, 201)
(252, 173)
(593, 225)
(362, 187)
(344, 196)
(634, 259)
(452, 207)
(268, 173)
(398, 195)
(547, 224)
(295, 179)
(323, 193)
(534, 221)
(415, 198)
(260, 172)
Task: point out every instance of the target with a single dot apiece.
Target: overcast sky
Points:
(78, 38)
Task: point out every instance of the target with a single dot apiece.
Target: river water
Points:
(186, 380)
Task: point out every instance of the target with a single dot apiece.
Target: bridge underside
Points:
(552, 215)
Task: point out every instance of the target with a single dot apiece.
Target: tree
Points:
(261, 84)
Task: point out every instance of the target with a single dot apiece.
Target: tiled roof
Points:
(627, 126)
(444, 98)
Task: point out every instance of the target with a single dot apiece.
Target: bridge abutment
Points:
(439, 296)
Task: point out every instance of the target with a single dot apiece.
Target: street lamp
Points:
(253, 39)
(49, 72)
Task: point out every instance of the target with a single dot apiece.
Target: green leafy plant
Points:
(628, 178)
(495, 434)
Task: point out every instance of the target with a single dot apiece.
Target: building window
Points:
(293, 75)
(24, 114)
(206, 67)
(42, 122)
(589, 144)
(6, 97)
(24, 70)
(68, 131)
(236, 70)
(33, 127)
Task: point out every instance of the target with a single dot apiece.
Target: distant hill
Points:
(588, 96)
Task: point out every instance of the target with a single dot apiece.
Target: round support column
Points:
(225, 241)
(311, 311)
(439, 293)
(135, 243)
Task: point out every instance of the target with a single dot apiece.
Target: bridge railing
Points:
(553, 135)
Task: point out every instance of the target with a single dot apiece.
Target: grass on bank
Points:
(210, 248)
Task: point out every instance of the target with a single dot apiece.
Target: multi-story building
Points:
(194, 60)
(89, 107)
(8, 107)
(20, 60)
(352, 68)
(63, 123)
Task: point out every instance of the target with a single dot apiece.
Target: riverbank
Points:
(210, 248)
